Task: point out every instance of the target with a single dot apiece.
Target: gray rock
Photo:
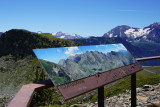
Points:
(146, 86)
(150, 98)
(139, 90)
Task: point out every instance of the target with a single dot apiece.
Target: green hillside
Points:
(56, 72)
(18, 64)
(150, 48)
(21, 42)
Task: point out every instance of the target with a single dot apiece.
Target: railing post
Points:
(133, 90)
(101, 96)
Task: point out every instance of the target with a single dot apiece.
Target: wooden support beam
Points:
(101, 96)
(133, 90)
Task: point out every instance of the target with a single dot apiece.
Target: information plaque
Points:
(80, 69)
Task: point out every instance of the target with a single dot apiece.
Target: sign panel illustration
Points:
(72, 65)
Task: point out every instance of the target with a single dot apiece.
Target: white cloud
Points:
(115, 45)
(78, 53)
(71, 50)
(58, 50)
(120, 47)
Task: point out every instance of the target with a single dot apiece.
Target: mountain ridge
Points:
(91, 62)
(66, 35)
(137, 49)
(104, 40)
(132, 34)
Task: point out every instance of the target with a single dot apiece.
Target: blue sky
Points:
(55, 54)
(83, 17)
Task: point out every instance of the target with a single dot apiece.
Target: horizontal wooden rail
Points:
(24, 97)
(147, 58)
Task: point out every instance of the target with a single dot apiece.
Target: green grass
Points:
(54, 106)
(155, 69)
(60, 80)
(75, 105)
(48, 35)
(21, 73)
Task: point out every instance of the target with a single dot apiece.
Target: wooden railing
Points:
(24, 97)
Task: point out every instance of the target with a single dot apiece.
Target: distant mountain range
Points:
(91, 62)
(150, 33)
(86, 64)
(66, 35)
(137, 49)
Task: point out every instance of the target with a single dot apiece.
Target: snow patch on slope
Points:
(53, 34)
(134, 34)
(66, 35)
(62, 36)
(110, 35)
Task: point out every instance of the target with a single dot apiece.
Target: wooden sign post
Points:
(133, 93)
(133, 90)
(101, 96)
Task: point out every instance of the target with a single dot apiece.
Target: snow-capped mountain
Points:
(39, 32)
(131, 34)
(66, 35)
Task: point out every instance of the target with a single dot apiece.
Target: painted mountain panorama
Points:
(68, 64)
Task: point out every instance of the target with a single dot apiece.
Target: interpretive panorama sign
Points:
(77, 70)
